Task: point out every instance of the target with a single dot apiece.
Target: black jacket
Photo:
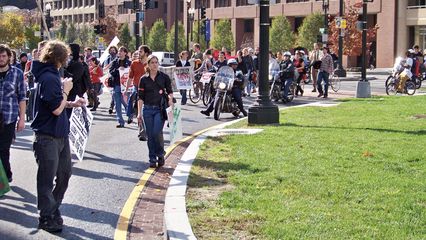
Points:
(80, 78)
(287, 68)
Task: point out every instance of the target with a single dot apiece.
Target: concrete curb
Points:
(176, 218)
(175, 215)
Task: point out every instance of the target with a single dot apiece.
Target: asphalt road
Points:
(114, 161)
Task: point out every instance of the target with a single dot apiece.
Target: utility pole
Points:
(340, 71)
(42, 20)
(176, 32)
(137, 7)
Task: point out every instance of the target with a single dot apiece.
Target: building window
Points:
(295, 1)
(202, 3)
(416, 3)
(222, 3)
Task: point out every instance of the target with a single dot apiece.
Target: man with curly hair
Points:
(51, 127)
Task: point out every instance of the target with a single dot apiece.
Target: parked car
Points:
(165, 58)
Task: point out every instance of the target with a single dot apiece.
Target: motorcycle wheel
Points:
(206, 94)
(217, 108)
(418, 83)
(410, 87)
(391, 88)
(291, 92)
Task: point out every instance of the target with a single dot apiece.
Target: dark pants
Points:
(7, 133)
(93, 94)
(184, 98)
(323, 76)
(54, 160)
(237, 95)
(154, 126)
(132, 103)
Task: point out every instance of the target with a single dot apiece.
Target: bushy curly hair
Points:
(55, 52)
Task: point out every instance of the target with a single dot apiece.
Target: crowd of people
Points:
(55, 78)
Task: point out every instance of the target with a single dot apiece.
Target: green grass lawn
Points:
(355, 171)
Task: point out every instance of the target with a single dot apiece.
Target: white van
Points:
(165, 58)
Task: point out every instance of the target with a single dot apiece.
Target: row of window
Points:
(80, 18)
(56, 5)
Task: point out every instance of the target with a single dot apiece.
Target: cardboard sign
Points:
(184, 77)
(175, 123)
(80, 124)
(124, 76)
(4, 182)
(205, 78)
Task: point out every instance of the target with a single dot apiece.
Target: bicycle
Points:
(392, 86)
(334, 82)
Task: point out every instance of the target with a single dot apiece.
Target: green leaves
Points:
(309, 30)
(11, 29)
(181, 38)
(223, 36)
(157, 36)
(281, 37)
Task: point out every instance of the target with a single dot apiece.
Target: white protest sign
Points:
(184, 77)
(80, 124)
(104, 56)
(124, 76)
(175, 123)
(205, 78)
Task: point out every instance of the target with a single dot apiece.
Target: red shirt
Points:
(95, 74)
(137, 70)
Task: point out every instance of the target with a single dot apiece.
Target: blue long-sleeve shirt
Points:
(12, 91)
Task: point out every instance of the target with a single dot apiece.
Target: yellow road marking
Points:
(126, 213)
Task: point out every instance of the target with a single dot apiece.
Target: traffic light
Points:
(97, 29)
(101, 10)
(319, 38)
(203, 12)
(103, 29)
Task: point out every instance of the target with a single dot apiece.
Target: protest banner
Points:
(4, 182)
(184, 77)
(80, 124)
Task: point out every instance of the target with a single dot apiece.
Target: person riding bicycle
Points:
(286, 74)
(236, 90)
(402, 68)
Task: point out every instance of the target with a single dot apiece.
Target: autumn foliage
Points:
(352, 41)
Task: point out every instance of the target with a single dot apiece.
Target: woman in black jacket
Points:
(153, 88)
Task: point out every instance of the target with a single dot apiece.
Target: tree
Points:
(30, 39)
(11, 29)
(62, 31)
(156, 40)
(125, 37)
(83, 35)
(72, 33)
(202, 42)
(112, 25)
(281, 37)
(352, 42)
(181, 38)
(223, 36)
(309, 30)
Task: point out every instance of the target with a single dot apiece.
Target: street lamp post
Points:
(325, 5)
(42, 20)
(47, 18)
(363, 88)
(191, 12)
(176, 46)
(263, 111)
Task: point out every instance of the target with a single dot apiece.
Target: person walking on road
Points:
(324, 73)
(121, 62)
(95, 76)
(315, 55)
(51, 127)
(12, 105)
(183, 62)
(153, 89)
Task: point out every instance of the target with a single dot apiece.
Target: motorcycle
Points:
(223, 102)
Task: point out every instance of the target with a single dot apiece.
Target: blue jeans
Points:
(287, 84)
(250, 85)
(131, 103)
(153, 126)
(323, 76)
(118, 99)
(184, 98)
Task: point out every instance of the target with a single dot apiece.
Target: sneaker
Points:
(119, 126)
(48, 224)
(205, 113)
(245, 114)
(93, 109)
(153, 165)
(325, 96)
(129, 120)
(161, 161)
(89, 106)
(314, 90)
(58, 218)
(110, 111)
(320, 95)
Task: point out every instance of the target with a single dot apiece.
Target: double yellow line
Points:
(126, 213)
